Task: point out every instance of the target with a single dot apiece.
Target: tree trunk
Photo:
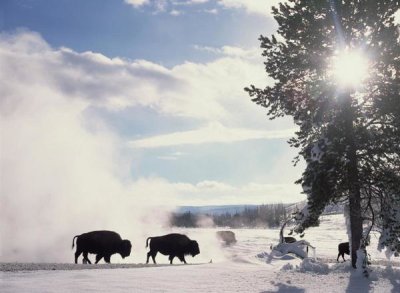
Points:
(353, 181)
(354, 206)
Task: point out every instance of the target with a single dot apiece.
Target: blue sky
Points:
(115, 28)
(145, 97)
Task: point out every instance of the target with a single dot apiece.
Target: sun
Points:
(350, 68)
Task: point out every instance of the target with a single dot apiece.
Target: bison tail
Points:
(147, 241)
(73, 241)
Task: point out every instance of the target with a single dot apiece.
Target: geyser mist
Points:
(62, 172)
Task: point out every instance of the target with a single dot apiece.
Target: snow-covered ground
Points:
(248, 266)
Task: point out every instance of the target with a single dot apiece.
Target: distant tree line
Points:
(271, 215)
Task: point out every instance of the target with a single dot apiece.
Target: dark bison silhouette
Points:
(173, 245)
(343, 248)
(102, 243)
(228, 237)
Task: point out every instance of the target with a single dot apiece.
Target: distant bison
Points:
(102, 243)
(228, 237)
(343, 248)
(173, 245)
(289, 239)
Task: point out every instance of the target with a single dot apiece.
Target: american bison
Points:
(173, 245)
(228, 237)
(343, 248)
(102, 243)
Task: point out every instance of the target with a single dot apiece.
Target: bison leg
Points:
(107, 258)
(98, 257)
(182, 258)
(153, 256)
(171, 258)
(340, 254)
(85, 257)
(77, 254)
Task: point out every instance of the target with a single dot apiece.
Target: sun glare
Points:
(350, 68)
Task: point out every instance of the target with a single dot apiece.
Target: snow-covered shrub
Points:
(312, 265)
(298, 248)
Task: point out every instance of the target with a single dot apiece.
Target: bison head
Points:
(193, 248)
(125, 248)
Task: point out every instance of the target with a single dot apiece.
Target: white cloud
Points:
(211, 11)
(215, 192)
(212, 133)
(262, 7)
(206, 92)
(197, 1)
(190, 2)
(214, 185)
(230, 51)
(137, 3)
(158, 6)
(208, 193)
(209, 92)
(176, 12)
(214, 91)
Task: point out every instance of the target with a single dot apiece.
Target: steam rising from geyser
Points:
(62, 172)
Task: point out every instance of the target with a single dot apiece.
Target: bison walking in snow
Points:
(343, 248)
(173, 245)
(102, 243)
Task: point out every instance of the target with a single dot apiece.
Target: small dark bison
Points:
(343, 248)
(102, 243)
(173, 245)
(228, 237)
(289, 239)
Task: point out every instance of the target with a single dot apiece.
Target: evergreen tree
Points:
(349, 134)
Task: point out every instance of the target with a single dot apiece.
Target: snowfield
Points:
(248, 266)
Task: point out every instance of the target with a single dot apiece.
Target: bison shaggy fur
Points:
(344, 248)
(172, 245)
(102, 243)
